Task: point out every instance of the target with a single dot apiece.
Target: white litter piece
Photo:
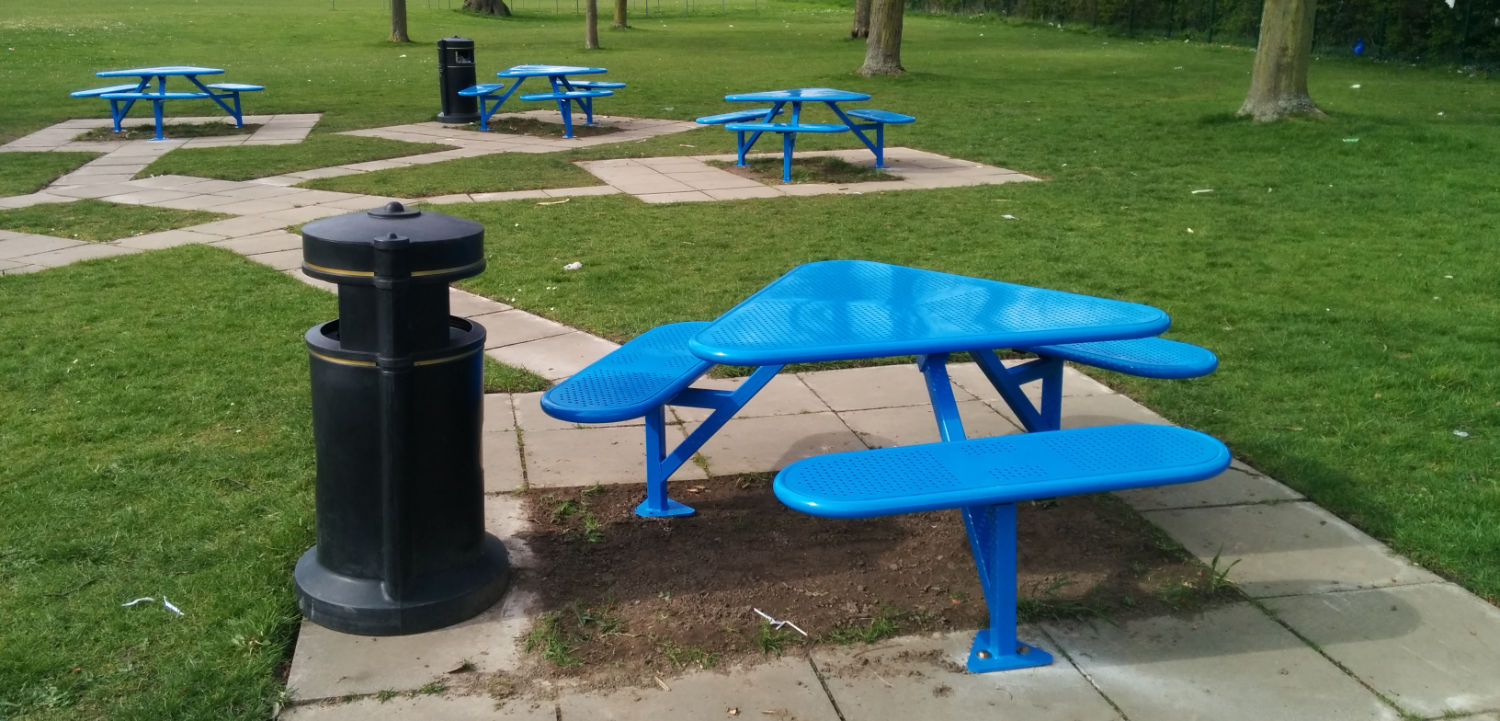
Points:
(1461, 434)
(1008, 216)
(575, 265)
(1354, 86)
(148, 599)
(555, 202)
(1204, 190)
(138, 600)
(171, 607)
(778, 624)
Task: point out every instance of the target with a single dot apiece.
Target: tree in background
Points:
(883, 48)
(1278, 82)
(488, 7)
(398, 22)
(861, 27)
(620, 8)
(591, 25)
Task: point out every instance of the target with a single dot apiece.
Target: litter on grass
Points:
(778, 624)
(575, 265)
(1204, 190)
(164, 602)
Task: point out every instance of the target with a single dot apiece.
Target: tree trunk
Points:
(861, 27)
(620, 7)
(591, 25)
(488, 7)
(398, 22)
(883, 48)
(1278, 83)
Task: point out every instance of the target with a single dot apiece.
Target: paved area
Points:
(1335, 625)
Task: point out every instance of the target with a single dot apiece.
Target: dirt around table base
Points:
(627, 599)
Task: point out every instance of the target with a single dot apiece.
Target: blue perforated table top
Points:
(160, 70)
(827, 95)
(534, 71)
(841, 309)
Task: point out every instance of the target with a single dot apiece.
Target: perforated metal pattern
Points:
(854, 309)
(998, 470)
(635, 378)
(1149, 357)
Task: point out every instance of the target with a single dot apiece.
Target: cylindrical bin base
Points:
(401, 543)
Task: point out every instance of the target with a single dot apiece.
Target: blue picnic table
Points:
(847, 309)
(122, 97)
(749, 125)
(564, 91)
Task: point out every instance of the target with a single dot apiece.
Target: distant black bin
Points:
(456, 72)
(397, 410)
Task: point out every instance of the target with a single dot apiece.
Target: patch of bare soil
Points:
(543, 129)
(810, 169)
(175, 131)
(628, 599)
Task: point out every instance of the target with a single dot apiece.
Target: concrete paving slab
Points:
(19, 245)
(328, 664)
(509, 195)
(466, 305)
(783, 689)
(757, 445)
(692, 196)
(32, 199)
(1432, 649)
(585, 190)
(585, 456)
(509, 327)
(303, 214)
(1106, 410)
(910, 425)
(257, 207)
(556, 357)
(11, 269)
(1287, 549)
(268, 242)
(280, 260)
(296, 273)
(923, 677)
(1235, 486)
(785, 395)
(76, 253)
(501, 459)
(1228, 664)
(196, 202)
(499, 412)
(165, 239)
(77, 192)
(743, 193)
(447, 707)
(530, 416)
(235, 227)
(856, 389)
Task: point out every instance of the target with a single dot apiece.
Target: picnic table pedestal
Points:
(397, 420)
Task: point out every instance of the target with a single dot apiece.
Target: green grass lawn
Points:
(98, 220)
(29, 172)
(1343, 269)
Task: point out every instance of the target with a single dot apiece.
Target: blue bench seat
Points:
(488, 103)
(788, 138)
(985, 478)
(565, 99)
(878, 119)
(736, 116)
(1144, 357)
(96, 92)
(595, 84)
(236, 87)
(631, 381)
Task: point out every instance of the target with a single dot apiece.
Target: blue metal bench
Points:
(788, 138)
(115, 112)
(1144, 357)
(485, 92)
(656, 369)
(641, 378)
(878, 120)
(584, 98)
(985, 477)
(120, 101)
(595, 84)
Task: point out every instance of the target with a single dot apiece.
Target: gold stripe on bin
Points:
(371, 364)
(370, 273)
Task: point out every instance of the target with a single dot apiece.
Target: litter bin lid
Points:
(442, 248)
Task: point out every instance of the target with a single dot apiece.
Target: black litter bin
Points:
(456, 72)
(397, 407)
